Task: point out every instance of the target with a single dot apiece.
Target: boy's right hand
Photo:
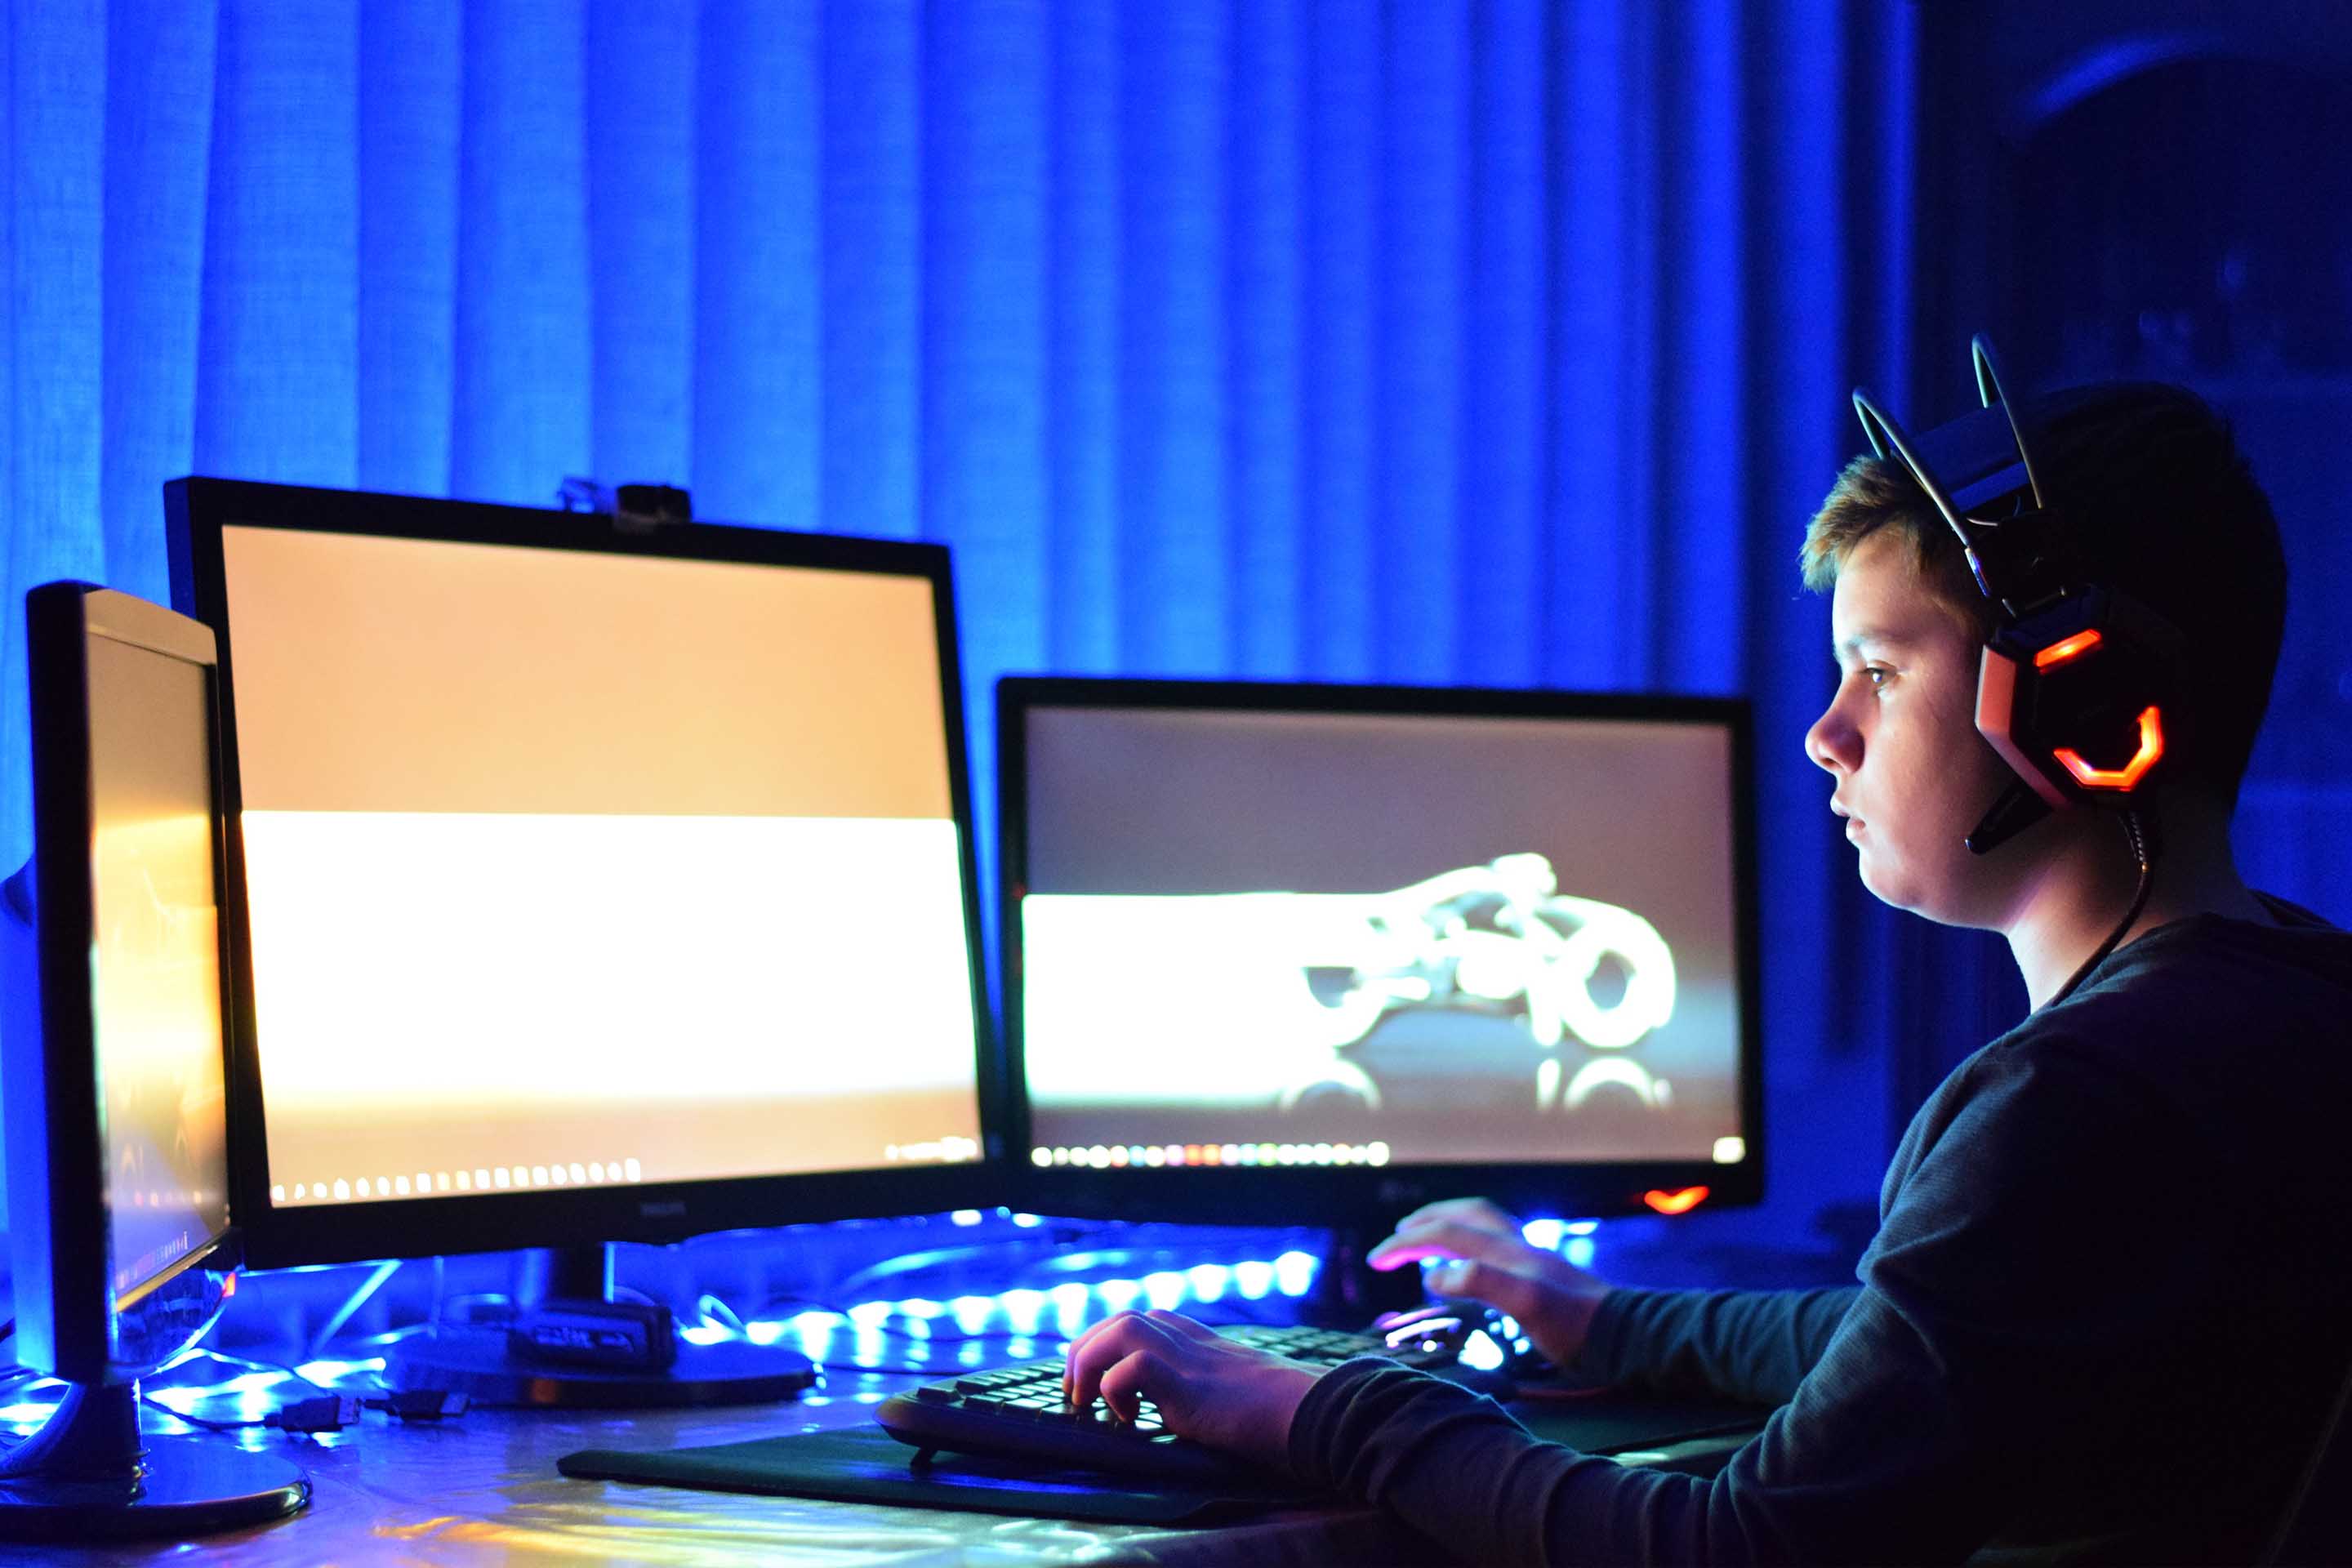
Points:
(1488, 1260)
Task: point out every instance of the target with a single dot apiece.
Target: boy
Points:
(2101, 1319)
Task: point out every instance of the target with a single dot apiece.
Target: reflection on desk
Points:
(484, 1488)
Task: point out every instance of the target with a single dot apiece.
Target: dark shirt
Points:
(2102, 1319)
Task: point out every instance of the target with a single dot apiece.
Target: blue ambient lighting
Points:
(877, 1330)
(1069, 1307)
(1209, 1280)
(1294, 1272)
(1022, 1307)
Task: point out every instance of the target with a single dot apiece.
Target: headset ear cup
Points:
(2076, 681)
(2077, 696)
(1998, 678)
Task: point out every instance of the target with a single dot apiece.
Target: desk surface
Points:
(483, 1488)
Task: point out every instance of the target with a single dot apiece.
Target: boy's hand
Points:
(1490, 1261)
(1207, 1386)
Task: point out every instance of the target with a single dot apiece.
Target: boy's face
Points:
(1900, 739)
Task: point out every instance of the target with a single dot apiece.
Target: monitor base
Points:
(84, 1477)
(478, 1363)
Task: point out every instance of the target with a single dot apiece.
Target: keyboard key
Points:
(1019, 1410)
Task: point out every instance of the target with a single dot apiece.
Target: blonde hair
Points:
(1878, 494)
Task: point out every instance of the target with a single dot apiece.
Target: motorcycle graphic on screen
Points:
(1500, 938)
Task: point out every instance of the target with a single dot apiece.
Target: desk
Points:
(482, 1489)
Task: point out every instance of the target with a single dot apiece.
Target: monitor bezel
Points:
(198, 509)
(58, 1218)
(1365, 1195)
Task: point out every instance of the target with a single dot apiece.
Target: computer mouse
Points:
(1475, 1333)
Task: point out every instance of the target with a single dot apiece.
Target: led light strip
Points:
(481, 1179)
(1103, 1157)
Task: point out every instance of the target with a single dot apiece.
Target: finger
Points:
(1455, 1215)
(1070, 1356)
(1178, 1323)
(1128, 1383)
(1482, 1212)
(1088, 1333)
(1110, 1343)
(1095, 1349)
(1451, 1239)
(1517, 1294)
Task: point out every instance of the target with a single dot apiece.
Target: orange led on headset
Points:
(2066, 648)
(1682, 1201)
(2151, 746)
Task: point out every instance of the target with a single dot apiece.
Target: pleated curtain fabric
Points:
(1496, 343)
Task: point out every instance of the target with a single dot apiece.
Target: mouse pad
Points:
(865, 1464)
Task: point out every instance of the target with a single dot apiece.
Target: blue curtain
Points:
(1501, 342)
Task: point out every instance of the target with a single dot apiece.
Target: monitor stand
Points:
(481, 1362)
(88, 1476)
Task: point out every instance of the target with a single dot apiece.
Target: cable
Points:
(210, 1425)
(196, 1351)
(351, 1304)
(710, 1309)
(2142, 835)
(1051, 1240)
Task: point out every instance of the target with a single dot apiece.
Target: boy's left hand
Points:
(1207, 1386)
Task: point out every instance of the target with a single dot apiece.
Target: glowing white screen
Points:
(567, 868)
(1408, 937)
(156, 961)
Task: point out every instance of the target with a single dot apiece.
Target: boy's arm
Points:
(1997, 1330)
(1871, 1463)
(1752, 1345)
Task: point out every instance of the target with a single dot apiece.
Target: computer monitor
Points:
(1330, 952)
(599, 881)
(113, 1033)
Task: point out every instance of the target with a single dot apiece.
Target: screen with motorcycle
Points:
(1289, 926)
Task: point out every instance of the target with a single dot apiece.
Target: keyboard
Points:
(1017, 1410)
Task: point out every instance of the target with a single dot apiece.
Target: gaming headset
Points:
(2077, 676)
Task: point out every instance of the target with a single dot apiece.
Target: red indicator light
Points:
(2151, 746)
(2066, 648)
(1682, 1201)
(228, 1286)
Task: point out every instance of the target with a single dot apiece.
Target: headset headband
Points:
(1993, 500)
(2074, 678)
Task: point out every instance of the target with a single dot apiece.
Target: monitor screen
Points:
(157, 963)
(1373, 943)
(596, 882)
(113, 1032)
